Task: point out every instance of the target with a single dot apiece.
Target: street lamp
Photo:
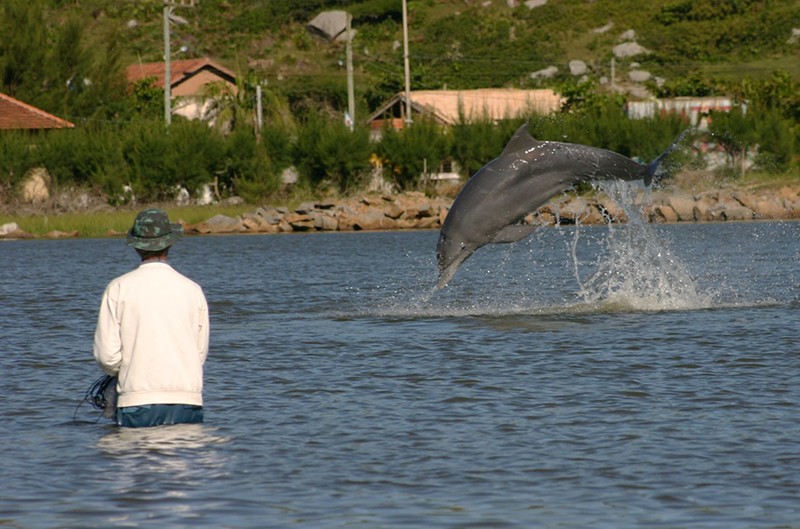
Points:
(169, 16)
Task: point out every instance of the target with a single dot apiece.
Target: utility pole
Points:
(405, 63)
(167, 73)
(169, 6)
(351, 103)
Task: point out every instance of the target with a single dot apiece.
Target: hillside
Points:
(458, 43)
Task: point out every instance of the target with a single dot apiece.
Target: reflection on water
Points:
(161, 467)
(167, 440)
(181, 451)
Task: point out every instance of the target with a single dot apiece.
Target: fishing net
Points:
(102, 396)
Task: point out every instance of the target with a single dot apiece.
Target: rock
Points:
(639, 76)
(424, 211)
(256, 223)
(610, 211)
(299, 221)
(34, 186)
(305, 208)
(532, 4)
(577, 67)
(284, 226)
(270, 215)
(233, 201)
(683, 204)
(182, 196)
(425, 223)
(628, 36)
(329, 24)
(373, 220)
(603, 29)
(664, 213)
(395, 212)
(545, 73)
(9, 227)
(763, 207)
(220, 224)
(327, 204)
(289, 176)
(579, 210)
(734, 212)
(443, 214)
(11, 230)
(704, 209)
(326, 222)
(629, 49)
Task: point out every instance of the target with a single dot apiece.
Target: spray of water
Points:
(637, 270)
(619, 267)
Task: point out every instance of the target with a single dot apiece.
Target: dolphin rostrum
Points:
(492, 204)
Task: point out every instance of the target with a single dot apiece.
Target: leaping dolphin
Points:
(493, 203)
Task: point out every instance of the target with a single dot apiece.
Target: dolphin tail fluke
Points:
(654, 168)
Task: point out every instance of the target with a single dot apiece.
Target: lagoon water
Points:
(627, 377)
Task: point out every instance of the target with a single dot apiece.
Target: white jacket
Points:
(153, 331)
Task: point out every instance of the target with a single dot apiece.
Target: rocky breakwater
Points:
(726, 204)
(409, 211)
(676, 205)
(417, 211)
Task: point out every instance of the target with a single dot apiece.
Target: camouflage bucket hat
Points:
(152, 231)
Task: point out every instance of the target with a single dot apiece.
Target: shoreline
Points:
(417, 211)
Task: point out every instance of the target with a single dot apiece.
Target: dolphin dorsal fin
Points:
(519, 141)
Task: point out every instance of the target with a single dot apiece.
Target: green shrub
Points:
(328, 153)
(412, 150)
(76, 158)
(16, 158)
(474, 144)
(248, 170)
(776, 141)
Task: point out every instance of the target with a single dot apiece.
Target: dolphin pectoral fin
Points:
(513, 233)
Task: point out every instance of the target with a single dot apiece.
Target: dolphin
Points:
(492, 204)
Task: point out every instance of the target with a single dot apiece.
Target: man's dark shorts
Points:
(158, 414)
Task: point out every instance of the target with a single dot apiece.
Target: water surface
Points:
(623, 377)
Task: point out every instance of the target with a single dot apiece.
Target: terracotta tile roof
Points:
(15, 114)
(179, 71)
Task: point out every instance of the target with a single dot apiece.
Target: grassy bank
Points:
(101, 224)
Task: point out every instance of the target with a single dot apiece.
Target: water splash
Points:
(637, 270)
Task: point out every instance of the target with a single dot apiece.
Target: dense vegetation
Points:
(68, 57)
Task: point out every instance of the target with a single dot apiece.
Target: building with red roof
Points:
(16, 115)
(189, 79)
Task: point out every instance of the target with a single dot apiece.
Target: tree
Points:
(327, 152)
(23, 49)
(409, 152)
(735, 133)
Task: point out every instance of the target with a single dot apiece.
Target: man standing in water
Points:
(153, 332)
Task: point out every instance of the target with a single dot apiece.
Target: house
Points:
(694, 109)
(16, 115)
(189, 81)
(447, 106)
